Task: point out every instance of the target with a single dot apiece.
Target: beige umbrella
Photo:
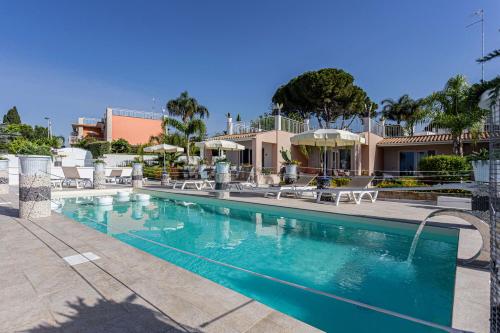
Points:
(164, 148)
(327, 137)
(220, 145)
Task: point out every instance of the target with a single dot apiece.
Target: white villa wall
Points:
(113, 160)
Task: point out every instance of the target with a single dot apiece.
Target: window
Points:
(409, 160)
(246, 156)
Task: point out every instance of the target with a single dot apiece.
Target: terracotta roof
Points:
(428, 139)
(234, 136)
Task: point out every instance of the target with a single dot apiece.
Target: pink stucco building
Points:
(386, 149)
(134, 126)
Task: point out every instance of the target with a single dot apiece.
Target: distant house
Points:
(386, 148)
(134, 126)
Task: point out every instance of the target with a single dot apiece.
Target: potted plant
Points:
(34, 158)
(481, 165)
(222, 165)
(290, 166)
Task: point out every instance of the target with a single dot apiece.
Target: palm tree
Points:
(450, 108)
(396, 110)
(188, 129)
(186, 108)
(404, 109)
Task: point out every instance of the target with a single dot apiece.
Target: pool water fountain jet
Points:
(415, 240)
(482, 256)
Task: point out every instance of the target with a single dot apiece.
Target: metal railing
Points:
(137, 114)
(292, 126)
(393, 131)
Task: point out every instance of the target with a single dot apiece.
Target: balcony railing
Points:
(356, 125)
(137, 114)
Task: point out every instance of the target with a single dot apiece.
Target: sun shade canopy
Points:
(220, 144)
(327, 137)
(164, 148)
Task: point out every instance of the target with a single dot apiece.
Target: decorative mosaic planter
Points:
(165, 179)
(222, 180)
(34, 186)
(290, 173)
(4, 176)
(137, 175)
(99, 176)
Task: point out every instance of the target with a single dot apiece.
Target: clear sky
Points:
(67, 59)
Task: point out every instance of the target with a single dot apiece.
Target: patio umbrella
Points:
(164, 148)
(220, 145)
(327, 137)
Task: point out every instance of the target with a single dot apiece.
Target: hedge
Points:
(98, 148)
(443, 168)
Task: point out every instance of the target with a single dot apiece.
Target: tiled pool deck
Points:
(127, 290)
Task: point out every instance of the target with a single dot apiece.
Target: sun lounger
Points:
(302, 184)
(244, 178)
(71, 175)
(114, 176)
(354, 191)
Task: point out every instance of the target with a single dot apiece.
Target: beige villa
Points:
(384, 149)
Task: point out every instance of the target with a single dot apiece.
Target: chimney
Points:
(229, 124)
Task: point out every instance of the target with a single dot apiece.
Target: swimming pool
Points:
(362, 259)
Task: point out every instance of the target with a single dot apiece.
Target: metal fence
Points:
(494, 201)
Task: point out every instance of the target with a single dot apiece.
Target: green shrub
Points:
(98, 148)
(400, 182)
(120, 146)
(441, 168)
(152, 172)
(22, 146)
(339, 182)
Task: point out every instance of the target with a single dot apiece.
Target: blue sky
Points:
(68, 59)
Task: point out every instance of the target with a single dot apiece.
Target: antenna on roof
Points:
(480, 13)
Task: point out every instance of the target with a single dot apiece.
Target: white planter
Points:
(291, 169)
(34, 164)
(290, 173)
(99, 167)
(222, 167)
(482, 171)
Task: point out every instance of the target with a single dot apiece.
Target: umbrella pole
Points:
(324, 162)
(164, 167)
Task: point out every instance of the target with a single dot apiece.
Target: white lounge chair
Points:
(244, 179)
(358, 188)
(302, 184)
(71, 175)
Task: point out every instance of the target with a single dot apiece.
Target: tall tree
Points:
(397, 110)
(194, 128)
(186, 107)
(451, 108)
(12, 117)
(328, 94)
(404, 109)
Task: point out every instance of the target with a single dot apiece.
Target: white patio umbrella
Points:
(221, 145)
(327, 137)
(163, 148)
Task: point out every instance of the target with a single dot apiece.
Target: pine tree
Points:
(12, 117)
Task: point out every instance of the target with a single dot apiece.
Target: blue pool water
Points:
(357, 258)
